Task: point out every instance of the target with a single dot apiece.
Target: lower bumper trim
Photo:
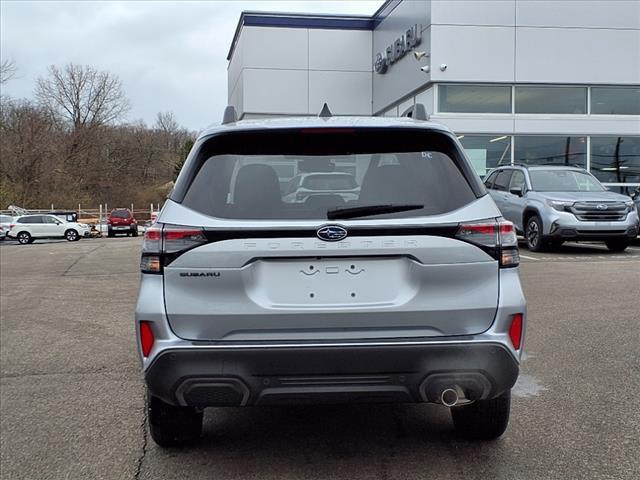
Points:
(390, 374)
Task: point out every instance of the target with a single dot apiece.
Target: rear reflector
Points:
(146, 338)
(515, 331)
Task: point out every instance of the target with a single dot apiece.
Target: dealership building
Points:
(518, 81)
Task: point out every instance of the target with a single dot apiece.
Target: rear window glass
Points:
(329, 182)
(31, 219)
(120, 214)
(424, 170)
(5, 219)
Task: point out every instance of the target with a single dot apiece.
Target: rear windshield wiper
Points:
(369, 210)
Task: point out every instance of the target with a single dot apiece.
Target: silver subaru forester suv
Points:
(409, 293)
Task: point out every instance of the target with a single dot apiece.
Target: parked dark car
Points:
(121, 220)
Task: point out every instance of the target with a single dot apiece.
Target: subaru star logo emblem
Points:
(331, 233)
(602, 206)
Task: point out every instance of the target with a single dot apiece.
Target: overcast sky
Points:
(169, 55)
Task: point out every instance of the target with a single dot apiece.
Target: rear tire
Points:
(483, 419)
(134, 232)
(617, 244)
(172, 426)
(533, 234)
(109, 233)
(24, 238)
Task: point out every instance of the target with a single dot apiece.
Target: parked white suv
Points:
(5, 222)
(28, 228)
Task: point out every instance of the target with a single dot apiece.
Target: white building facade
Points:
(519, 81)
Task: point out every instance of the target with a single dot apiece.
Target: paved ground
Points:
(71, 396)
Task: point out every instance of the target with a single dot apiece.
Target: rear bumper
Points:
(206, 377)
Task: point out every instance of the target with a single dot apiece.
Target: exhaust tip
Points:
(449, 397)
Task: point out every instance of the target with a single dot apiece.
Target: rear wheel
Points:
(134, 232)
(172, 426)
(24, 238)
(483, 419)
(617, 244)
(533, 234)
(71, 235)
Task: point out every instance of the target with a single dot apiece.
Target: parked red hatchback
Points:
(121, 220)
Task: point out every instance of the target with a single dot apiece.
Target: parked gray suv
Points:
(409, 293)
(551, 204)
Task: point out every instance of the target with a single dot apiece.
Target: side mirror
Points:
(58, 223)
(516, 191)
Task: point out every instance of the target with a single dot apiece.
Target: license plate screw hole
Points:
(312, 295)
(353, 294)
(353, 267)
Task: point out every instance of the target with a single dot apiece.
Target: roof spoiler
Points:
(229, 115)
(417, 112)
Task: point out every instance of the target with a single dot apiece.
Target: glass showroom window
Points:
(616, 160)
(550, 150)
(474, 98)
(571, 100)
(487, 151)
(615, 100)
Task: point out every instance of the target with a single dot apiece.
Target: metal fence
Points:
(90, 215)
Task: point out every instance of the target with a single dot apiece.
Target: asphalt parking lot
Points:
(71, 394)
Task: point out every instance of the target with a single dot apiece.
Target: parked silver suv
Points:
(551, 204)
(410, 293)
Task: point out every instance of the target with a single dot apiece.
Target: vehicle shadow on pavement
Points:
(571, 248)
(345, 441)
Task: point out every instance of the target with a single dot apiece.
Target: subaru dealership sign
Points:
(398, 49)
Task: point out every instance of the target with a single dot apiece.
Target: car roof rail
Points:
(229, 115)
(529, 165)
(417, 112)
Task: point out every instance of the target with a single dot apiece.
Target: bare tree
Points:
(166, 122)
(82, 96)
(7, 70)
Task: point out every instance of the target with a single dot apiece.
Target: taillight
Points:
(496, 237)
(178, 239)
(515, 331)
(11, 225)
(164, 243)
(146, 338)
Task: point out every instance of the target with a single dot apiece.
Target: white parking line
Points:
(528, 258)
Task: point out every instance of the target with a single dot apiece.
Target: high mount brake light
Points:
(496, 237)
(328, 130)
(164, 243)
